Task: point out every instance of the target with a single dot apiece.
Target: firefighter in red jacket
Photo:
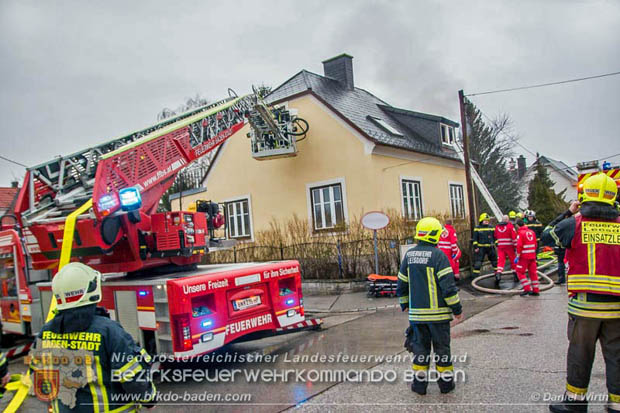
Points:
(506, 240)
(592, 241)
(526, 259)
(448, 243)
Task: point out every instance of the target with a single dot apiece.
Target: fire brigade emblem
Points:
(46, 384)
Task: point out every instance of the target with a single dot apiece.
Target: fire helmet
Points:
(483, 217)
(428, 229)
(599, 188)
(76, 285)
(512, 215)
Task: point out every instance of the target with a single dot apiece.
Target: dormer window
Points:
(447, 134)
(384, 125)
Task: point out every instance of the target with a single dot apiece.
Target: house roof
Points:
(358, 107)
(7, 195)
(559, 166)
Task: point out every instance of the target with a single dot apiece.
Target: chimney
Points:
(340, 68)
(521, 166)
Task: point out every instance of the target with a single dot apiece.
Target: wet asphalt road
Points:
(372, 334)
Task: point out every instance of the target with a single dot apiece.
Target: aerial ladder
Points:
(112, 239)
(480, 185)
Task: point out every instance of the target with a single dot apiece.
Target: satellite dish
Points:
(375, 220)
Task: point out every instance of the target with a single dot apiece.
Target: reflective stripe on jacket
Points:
(426, 285)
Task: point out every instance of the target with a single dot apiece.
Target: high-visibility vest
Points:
(594, 257)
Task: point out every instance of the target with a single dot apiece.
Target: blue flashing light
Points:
(206, 323)
(290, 301)
(142, 293)
(107, 202)
(130, 199)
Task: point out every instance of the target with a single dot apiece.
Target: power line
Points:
(12, 161)
(543, 84)
(515, 141)
(535, 154)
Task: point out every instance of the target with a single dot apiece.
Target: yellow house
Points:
(360, 155)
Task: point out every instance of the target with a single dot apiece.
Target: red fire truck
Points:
(98, 206)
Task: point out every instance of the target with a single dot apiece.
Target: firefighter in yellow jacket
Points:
(427, 288)
(102, 368)
(592, 241)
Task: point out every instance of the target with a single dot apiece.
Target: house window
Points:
(327, 208)
(447, 134)
(238, 219)
(383, 124)
(457, 201)
(412, 199)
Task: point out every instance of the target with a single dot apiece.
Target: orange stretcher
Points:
(381, 285)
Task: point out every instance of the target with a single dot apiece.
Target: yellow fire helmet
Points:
(483, 217)
(428, 229)
(512, 215)
(599, 188)
(76, 285)
(520, 215)
(191, 207)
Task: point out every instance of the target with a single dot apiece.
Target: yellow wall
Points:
(277, 188)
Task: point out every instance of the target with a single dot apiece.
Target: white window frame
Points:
(310, 206)
(464, 210)
(241, 198)
(402, 197)
(448, 129)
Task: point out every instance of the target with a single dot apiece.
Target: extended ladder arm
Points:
(481, 186)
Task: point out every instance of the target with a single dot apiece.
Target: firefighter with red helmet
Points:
(526, 259)
(484, 245)
(426, 287)
(590, 232)
(506, 240)
(448, 243)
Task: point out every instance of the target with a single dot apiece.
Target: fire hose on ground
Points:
(541, 275)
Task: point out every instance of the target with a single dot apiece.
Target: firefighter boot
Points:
(569, 405)
(498, 277)
(419, 384)
(446, 385)
(514, 277)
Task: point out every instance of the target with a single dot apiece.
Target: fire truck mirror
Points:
(109, 229)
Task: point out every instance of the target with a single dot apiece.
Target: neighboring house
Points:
(564, 177)
(360, 155)
(7, 195)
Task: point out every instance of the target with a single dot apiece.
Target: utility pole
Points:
(470, 193)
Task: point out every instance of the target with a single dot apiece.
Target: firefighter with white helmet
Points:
(427, 288)
(590, 232)
(118, 370)
(533, 224)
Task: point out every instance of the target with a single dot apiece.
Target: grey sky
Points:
(76, 73)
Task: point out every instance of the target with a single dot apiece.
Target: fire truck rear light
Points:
(130, 199)
(183, 332)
